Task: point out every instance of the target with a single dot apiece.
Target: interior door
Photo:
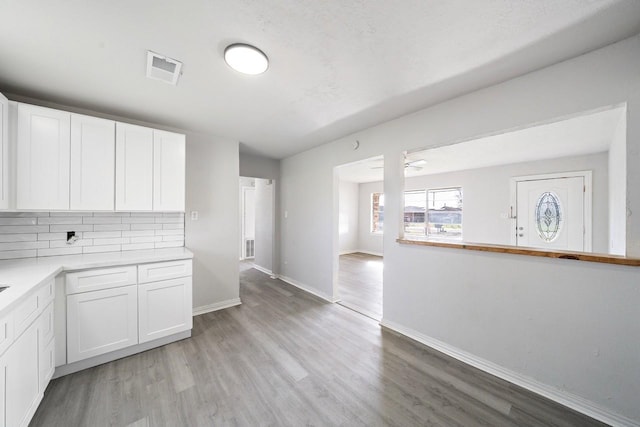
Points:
(551, 213)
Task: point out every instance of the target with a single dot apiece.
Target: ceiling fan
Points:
(415, 165)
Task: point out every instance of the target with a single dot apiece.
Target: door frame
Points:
(587, 175)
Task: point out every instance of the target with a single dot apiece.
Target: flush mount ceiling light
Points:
(246, 59)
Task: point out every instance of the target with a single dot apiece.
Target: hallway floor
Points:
(360, 283)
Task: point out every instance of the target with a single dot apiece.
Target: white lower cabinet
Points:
(164, 308)
(101, 321)
(22, 386)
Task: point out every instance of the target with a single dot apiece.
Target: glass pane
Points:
(445, 213)
(377, 212)
(415, 206)
(548, 216)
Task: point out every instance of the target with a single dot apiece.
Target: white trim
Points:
(565, 398)
(262, 269)
(216, 306)
(587, 175)
(308, 289)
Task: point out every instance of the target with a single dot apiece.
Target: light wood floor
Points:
(360, 283)
(285, 358)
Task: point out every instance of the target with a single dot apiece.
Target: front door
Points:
(550, 213)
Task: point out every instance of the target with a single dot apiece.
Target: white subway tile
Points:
(18, 237)
(111, 227)
(173, 215)
(18, 254)
(101, 234)
(23, 214)
(24, 228)
(14, 246)
(18, 221)
(111, 241)
(60, 220)
(52, 236)
(70, 227)
(147, 214)
(63, 243)
(104, 248)
(146, 226)
(173, 226)
(101, 220)
(146, 239)
(172, 238)
(139, 233)
(159, 245)
(137, 246)
(170, 232)
(169, 220)
(60, 251)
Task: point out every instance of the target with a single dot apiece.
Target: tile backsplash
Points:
(38, 234)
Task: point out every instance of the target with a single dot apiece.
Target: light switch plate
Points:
(194, 215)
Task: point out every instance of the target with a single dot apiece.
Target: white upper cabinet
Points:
(134, 168)
(4, 152)
(42, 170)
(93, 153)
(168, 171)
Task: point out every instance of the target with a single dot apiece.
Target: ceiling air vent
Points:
(163, 68)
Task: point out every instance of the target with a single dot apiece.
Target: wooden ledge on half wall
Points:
(516, 250)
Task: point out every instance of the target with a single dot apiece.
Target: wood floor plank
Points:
(287, 358)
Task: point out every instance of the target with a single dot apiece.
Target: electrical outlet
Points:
(194, 215)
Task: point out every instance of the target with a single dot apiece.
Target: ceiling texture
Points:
(336, 67)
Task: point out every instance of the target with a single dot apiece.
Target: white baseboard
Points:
(347, 252)
(262, 269)
(370, 252)
(572, 401)
(216, 306)
(308, 289)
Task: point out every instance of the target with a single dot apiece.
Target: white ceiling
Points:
(336, 67)
(581, 135)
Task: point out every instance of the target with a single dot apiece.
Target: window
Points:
(377, 212)
(444, 213)
(415, 207)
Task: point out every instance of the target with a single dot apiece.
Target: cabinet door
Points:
(42, 158)
(168, 171)
(4, 152)
(21, 372)
(93, 150)
(165, 308)
(101, 321)
(134, 168)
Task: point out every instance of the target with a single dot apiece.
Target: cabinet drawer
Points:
(26, 312)
(6, 332)
(104, 278)
(164, 270)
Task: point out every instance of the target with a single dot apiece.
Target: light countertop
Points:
(25, 274)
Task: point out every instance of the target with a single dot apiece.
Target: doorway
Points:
(553, 211)
(257, 204)
(358, 252)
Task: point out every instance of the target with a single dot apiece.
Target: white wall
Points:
(264, 223)
(569, 325)
(348, 217)
(618, 189)
(486, 195)
(212, 164)
(368, 242)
